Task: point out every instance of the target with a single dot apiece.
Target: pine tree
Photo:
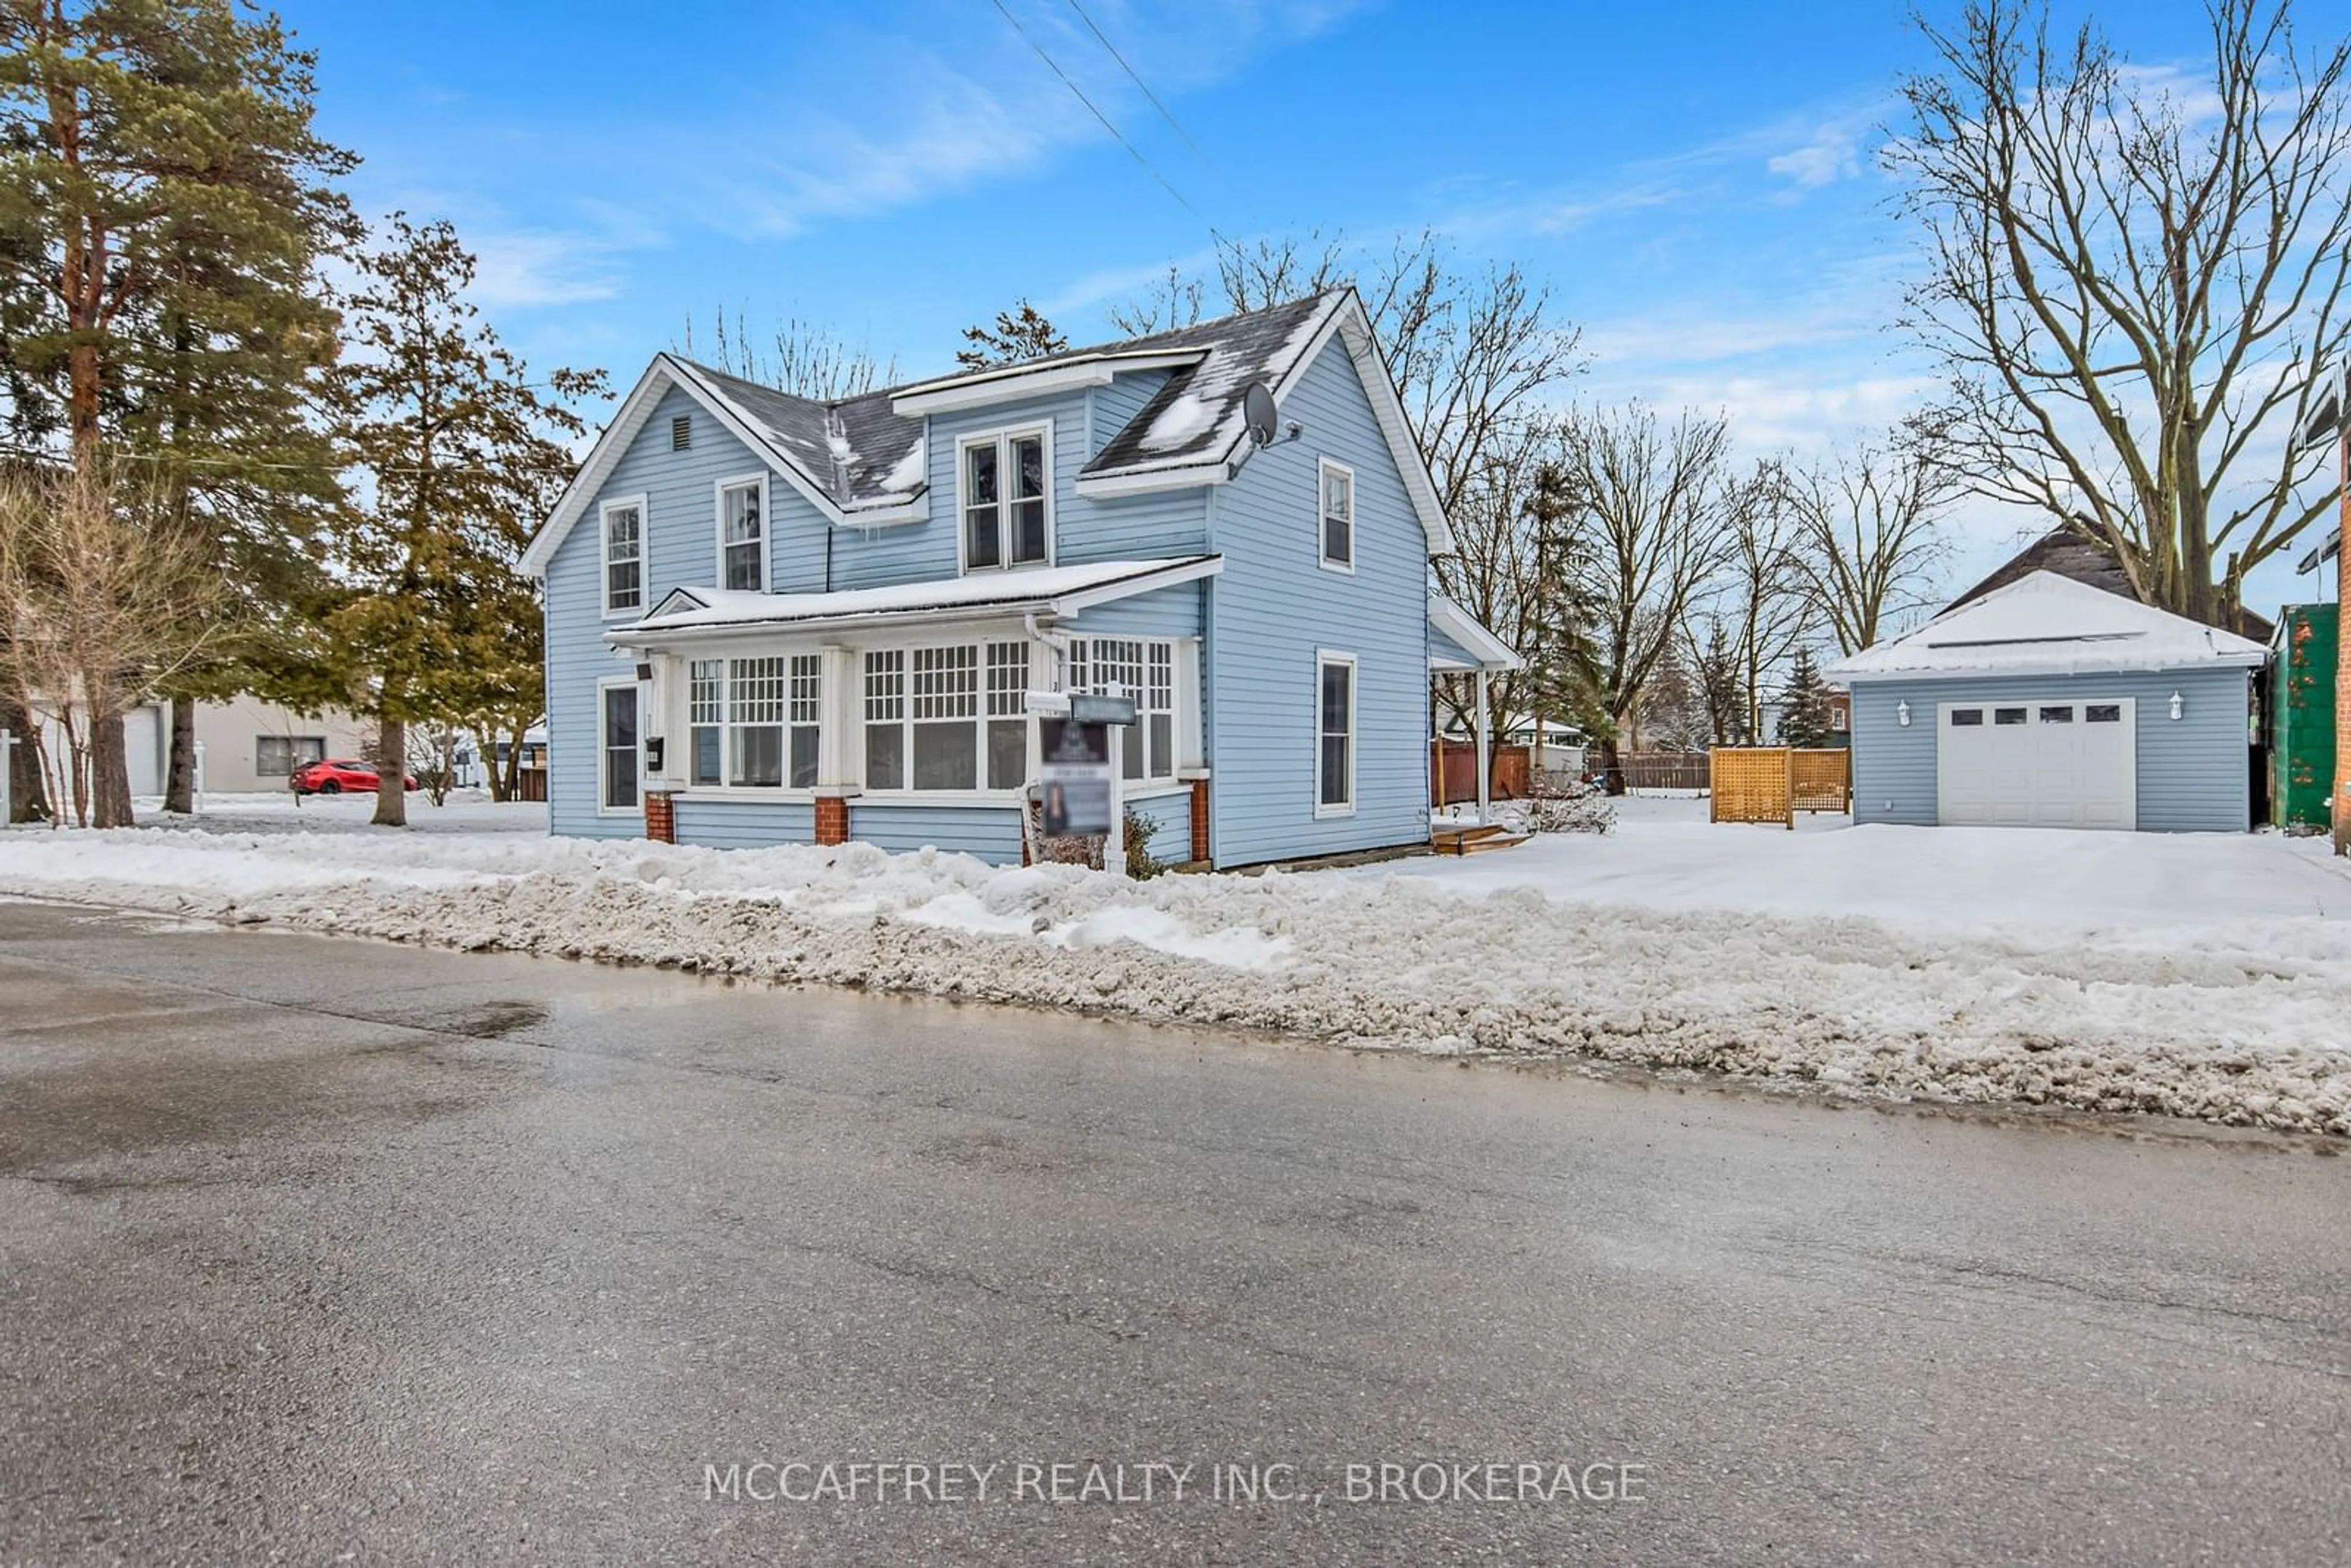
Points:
(1019, 335)
(464, 458)
(162, 204)
(1804, 705)
(1723, 689)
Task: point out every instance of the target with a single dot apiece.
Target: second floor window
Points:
(1006, 508)
(1338, 516)
(624, 557)
(743, 536)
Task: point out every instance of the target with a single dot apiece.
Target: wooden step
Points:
(1467, 840)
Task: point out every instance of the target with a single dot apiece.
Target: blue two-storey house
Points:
(772, 620)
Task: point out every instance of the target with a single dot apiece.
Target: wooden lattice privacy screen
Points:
(1773, 783)
(1753, 784)
(1822, 780)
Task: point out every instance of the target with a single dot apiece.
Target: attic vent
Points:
(681, 432)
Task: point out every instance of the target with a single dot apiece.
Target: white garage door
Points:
(2038, 765)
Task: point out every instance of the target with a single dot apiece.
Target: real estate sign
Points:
(1074, 775)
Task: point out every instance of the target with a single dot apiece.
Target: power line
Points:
(1132, 76)
(1116, 134)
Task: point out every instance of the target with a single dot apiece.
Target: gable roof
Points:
(2043, 623)
(861, 461)
(2086, 562)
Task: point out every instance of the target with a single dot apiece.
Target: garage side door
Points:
(2041, 764)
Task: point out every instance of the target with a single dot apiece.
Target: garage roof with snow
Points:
(2046, 624)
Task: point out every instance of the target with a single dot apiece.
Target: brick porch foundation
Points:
(661, 819)
(831, 820)
(1200, 819)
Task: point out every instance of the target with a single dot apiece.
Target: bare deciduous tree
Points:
(1472, 358)
(1649, 513)
(1869, 520)
(801, 358)
(1760, 600)
(2132, 280)
(99, 607)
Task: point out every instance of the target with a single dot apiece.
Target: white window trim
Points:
(854, 739)
(1323, 658)
(604, 752)
(718, 525)
(726, 788)
(1178, 651)
(1002, 438)
(1354, 512)
(644, 558)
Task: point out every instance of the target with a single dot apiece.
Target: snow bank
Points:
(2244, 1019)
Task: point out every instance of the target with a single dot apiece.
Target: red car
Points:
(335, 775)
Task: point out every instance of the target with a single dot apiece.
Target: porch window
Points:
(945, 717)
(1334, 751)
(1006, 503)
(743, 535)
(1338, 483)
(1142, 669)
(705, 703)
(624, 557)
(752, 723)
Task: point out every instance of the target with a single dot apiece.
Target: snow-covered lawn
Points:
(2193, 975)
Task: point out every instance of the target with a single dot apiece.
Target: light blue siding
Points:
(1170, 817)
(1140, 528)
(1440, 647)
(1274, 606)
(576, 660)
(1163, 613)
(991, 832)
(744, 824)
(2193, 772)
(1115, 405)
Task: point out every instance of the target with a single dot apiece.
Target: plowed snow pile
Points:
(2232, 1012)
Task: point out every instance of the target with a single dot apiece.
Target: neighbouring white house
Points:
(247, 744)
(2052, 703)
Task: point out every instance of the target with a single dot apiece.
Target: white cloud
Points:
(1833, 154)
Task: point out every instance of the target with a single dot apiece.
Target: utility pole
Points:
(2340, 813)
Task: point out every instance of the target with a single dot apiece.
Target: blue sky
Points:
(1694, 182)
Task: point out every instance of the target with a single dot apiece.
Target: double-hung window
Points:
(951, 718)
(1338, 515)
(1004, 494)
(743, 534)
(753, 722)
(1334, 738)
(625, 556)
(1146, 671)
(278, 755)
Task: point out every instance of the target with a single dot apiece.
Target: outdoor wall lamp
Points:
(2177, 706)
(1902, 712)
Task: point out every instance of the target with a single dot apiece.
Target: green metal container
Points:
(2301, 714)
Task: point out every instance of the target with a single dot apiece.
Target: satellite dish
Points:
(1258, 414)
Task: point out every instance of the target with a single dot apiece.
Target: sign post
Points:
(1079, 784)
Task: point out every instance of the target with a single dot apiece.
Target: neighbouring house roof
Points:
(863, 463)
(2044, 623)
(1043, 591)
(1464, 631)
(2086, 562)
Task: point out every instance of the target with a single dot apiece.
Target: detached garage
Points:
(2050, 704)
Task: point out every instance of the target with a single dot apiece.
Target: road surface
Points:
(323, 1250)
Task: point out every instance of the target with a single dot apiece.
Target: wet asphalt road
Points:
(316, 1251)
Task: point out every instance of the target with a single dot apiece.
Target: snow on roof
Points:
(1060, 588)
(2046, 624)
(1260, 346)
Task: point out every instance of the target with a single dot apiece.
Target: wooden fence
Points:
(1773, 783)
(1453, 772)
